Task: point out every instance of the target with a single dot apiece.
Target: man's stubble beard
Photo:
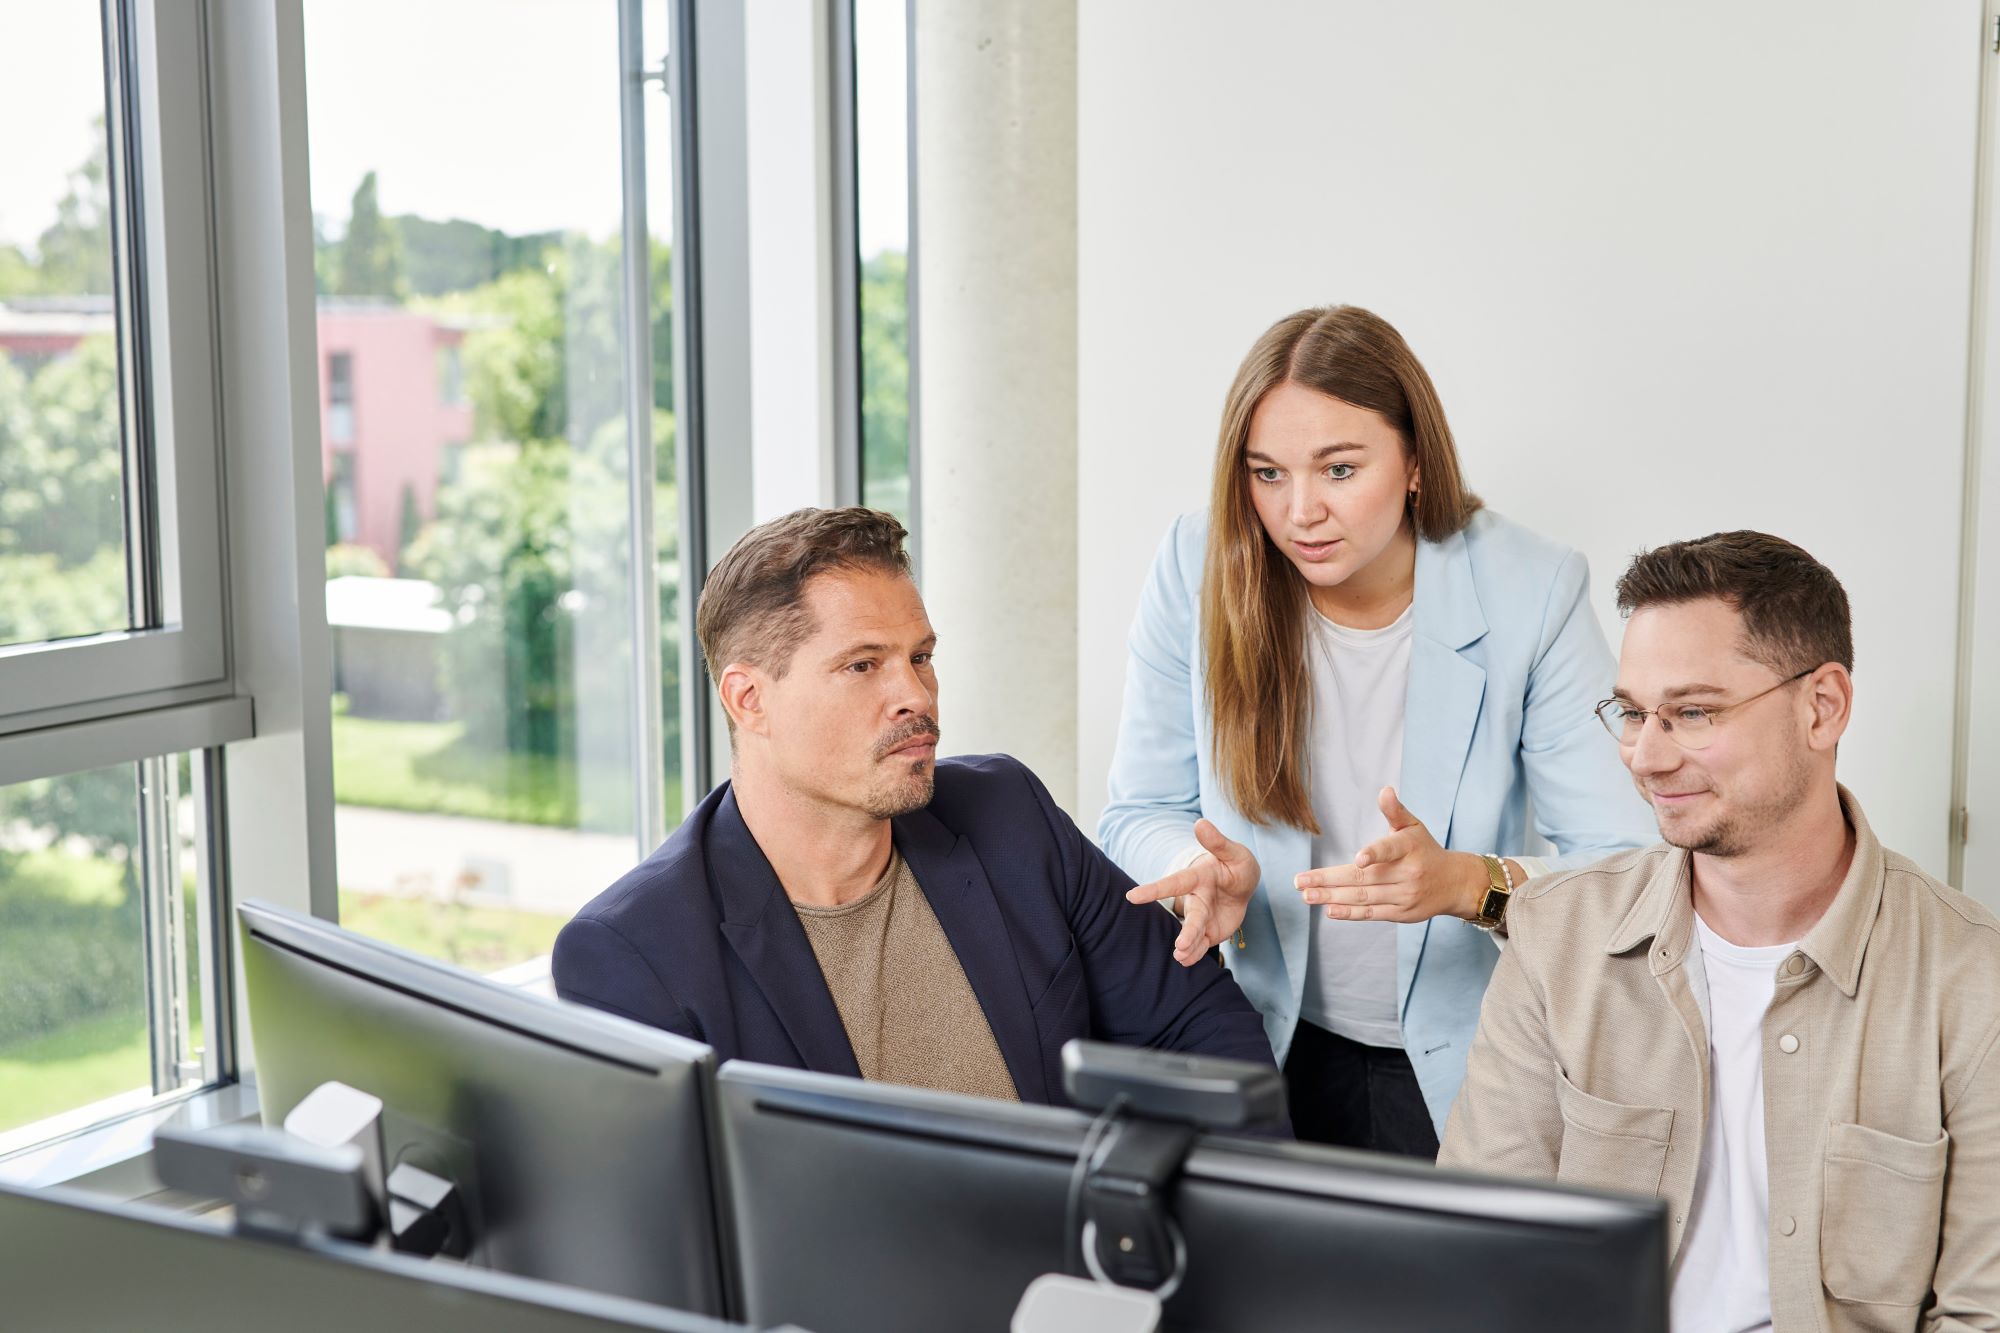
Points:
(1735, 834)
(911, 793)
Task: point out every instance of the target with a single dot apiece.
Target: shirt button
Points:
(1789, 1226)
(1788, 1043)
(1796, 965)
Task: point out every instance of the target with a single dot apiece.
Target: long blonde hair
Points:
(1253, 602)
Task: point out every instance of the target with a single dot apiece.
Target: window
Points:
(450, 375)
(113, 627)
(108, 508)
(881, 63)
(505, 745)
(107, 951)
(340, 398)
(341, 521)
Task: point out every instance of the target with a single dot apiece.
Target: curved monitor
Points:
(578, 1140)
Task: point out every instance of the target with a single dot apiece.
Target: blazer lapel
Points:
(1441, 710)
(962, 898)
(760, 925)
(1446, 688)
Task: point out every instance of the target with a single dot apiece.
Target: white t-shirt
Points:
(1722, 1281)
(1361, 680)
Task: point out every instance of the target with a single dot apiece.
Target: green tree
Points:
(529, 545)
(513, 548)
(72, 256)
(370, 257)
(62, 566)
(74, 253)
(456, 255)
(62, 543)
(409, 522)
(344, 558)
(19, 275)
(326, 258)
(514, 373)
(885, 379)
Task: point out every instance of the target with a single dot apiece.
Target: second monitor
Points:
(577, 1140)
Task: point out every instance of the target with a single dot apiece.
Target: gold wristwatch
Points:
(1499, 888)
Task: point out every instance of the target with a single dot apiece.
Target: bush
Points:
(344, 558)
(65, 958)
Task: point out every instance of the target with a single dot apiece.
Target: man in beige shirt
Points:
(1771, 1021)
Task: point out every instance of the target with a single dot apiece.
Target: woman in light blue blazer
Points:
(1349, 685)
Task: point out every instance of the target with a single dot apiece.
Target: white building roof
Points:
(355, 601)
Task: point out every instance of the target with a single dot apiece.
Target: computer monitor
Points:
(578, 1140)
(73, 1261)
(863, 1208)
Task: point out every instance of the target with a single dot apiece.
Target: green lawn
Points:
(483, 939)
(107, 1054)
(416, 766)
(427, 767)
(85, 1062)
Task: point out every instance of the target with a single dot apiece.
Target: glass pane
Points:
(881, 139)
(73, 972)
(660, 196)
(476, 457)
(72, 948)
(62, 529)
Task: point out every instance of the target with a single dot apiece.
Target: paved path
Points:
(520, 865)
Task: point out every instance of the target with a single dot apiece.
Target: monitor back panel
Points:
(576, 1167)
(76, 1262)
(866, 1209)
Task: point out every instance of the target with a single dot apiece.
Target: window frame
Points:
(141, 697)
(157, 150)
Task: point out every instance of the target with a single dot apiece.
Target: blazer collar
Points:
(1447, 601)
(1446, 689)
(1837, 942)
(760, 925)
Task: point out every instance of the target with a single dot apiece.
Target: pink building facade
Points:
(393, 408)
(393, 412)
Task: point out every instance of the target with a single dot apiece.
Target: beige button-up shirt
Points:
(1881, 1085)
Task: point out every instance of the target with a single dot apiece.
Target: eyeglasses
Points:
(1691, 725)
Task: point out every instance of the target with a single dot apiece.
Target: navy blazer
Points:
(700, 939)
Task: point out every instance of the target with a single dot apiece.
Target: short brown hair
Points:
(1795, 615)
(752, 606)
(1253, 602)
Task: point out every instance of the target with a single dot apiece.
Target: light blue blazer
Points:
(1506, 662)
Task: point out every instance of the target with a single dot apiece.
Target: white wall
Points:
(1674, 271)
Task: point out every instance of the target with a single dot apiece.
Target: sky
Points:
(51, 78)
(503, 112)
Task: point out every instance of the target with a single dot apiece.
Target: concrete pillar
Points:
(995, 183)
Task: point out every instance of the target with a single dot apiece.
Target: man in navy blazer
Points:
(851, 904)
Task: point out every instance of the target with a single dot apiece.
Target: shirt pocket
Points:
(1878, 1238)
(1609, 1145)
